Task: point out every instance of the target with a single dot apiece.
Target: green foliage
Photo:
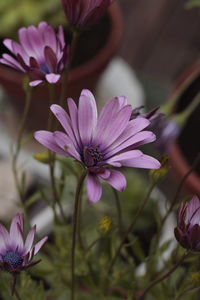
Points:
(193, 3)
(28, 12)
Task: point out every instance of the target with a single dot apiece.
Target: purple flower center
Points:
(92, 156)
(13, 258)
(44, 68)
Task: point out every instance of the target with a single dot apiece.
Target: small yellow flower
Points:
(106, 224)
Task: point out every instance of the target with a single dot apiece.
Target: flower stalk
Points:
(74, 233)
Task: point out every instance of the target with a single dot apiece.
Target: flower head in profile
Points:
(84, 13)
(15, 253)
(41, 53)
(187, 232)
(100, 143)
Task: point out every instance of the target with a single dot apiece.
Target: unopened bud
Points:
(160, 173)
(106, 224)
(43, 157)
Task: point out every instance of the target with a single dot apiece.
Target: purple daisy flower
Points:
(41, 53)
(84, 13)
(100, 143)
(187, 232)
(15, 254)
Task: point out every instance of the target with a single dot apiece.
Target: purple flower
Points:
(84, 13)
(41, 53)
(15, 254)
(100, 143)
(187, 232)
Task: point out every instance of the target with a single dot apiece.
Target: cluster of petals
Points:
(100, 143)
(15, 253)
(41, 53)
(84, 13)
(187, 232)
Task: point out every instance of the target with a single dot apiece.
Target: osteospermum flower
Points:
(100, 143)
(84, 13)
(187, 232)
(41, 53)
(15, 253)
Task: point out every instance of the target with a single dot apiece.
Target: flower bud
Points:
(106, 224)
(159, 174)
(43, 157)
(187, 232)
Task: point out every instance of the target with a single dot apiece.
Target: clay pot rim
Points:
(94, 64)
(177, 158)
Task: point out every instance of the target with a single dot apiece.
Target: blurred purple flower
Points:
(187, 232)
(15, 254)
(41, 53)
(84, 13)
(98, 143)
(166, 129)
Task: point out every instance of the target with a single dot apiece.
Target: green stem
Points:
(119, 211)
(75, 224)
(190, 289)
(130, 228)
(19, 143)
(158, 280)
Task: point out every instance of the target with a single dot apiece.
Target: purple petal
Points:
(12, 62)
(123, 156)
(47, 139)
(133, 127)
(144, 161)
(138, 139)
(116, 179)
(39, 245)
(4, 235)
(87, 116)
(51, 59)
(35, 82)
(73, 111)
(115, 125)
(52, 78)
(16, 231)
(94, 188)
(65, 121)
(66, 144)
(193, 211)
(29, 240)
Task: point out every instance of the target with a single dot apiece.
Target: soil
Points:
(189, 140)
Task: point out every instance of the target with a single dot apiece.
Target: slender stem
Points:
(182, 181)
(190, 289)
(75, 224)
(167, 274)
(19, 143)
(17, 295)
(119, 211)
(130, 228)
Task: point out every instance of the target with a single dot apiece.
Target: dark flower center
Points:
(44, 68)
(92, 156)
(13, 258)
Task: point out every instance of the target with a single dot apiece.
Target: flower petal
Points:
(39, 245)
(94, 188)
(143, 161)
(116, 179)
(16, 231)
(29, 240)
(47, 139)
(35, 82)
(87, 116)
(52, 78)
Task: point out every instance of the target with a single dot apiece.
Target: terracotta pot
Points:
(82, 76)
(187, 87)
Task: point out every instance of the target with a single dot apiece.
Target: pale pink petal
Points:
(39, 245)
(52, 78)
(94, 188)
(29, 240)
(35, 82)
